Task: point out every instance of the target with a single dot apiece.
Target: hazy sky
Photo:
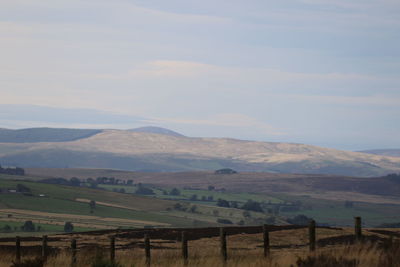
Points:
(324, 72)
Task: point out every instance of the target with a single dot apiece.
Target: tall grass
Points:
(367, 254)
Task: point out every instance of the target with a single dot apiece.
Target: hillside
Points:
(156, 130)
(384, 152)
(322, 197)
(144, 151)
(34, 135)
(54, 204)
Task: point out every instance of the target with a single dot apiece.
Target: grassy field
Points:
(336, 213)
(41, 229)
(158, 209)
(56, 204)
(330, 212)
(335, 247)
(186, 194)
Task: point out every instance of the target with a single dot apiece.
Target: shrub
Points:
(252, 205)
(37, 262)
(99, 262)
(144, 191)
(224, 221)
(225, 171)
(175, 192)
(326, 261)
(23, 189)
(28, 226)
(299, 220)
(193, 209)
(179, 206)
(68, 227)
(223, 203)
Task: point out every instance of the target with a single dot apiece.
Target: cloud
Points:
(374, 100)
(269, 66)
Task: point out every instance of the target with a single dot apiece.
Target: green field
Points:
(186, 194)
(115, 209)
(335, 213)
(44, 229)
(64, 200)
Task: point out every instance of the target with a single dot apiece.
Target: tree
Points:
(246, 214)
(179, 206)
(211, 188)
(23, 189)
(348, 204)
(224, 221)
(234, 204)
(223, 203)
(92, 205)
(68, 227)
(144, 190)
(193, 197)
(75, 181)
(28, 226)
(299, 220)
(193, 209)
(175, 192)
(225, 171)
(7, 228)
(252, 205)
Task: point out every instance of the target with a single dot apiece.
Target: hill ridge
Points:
(127, 150)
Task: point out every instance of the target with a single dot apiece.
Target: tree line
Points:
(12, 171)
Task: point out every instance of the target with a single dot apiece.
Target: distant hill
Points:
(156, 130)
(384, 152)
(34, 135)
(127, 150)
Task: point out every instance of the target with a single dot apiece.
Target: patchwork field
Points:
(331, 200)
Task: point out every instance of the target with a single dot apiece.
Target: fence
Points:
(184, 243)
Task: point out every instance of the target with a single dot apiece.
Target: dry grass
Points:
(366, 255)
(243, 250)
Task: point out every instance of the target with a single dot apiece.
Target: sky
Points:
(322, 72)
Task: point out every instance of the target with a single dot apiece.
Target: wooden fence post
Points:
(18, 249)
(357, 228)
(266, 240)
(222, 236)
(112, 249)
(185, 253)
(44, 248)
(147, 249)
(73, 253)
(311, 233)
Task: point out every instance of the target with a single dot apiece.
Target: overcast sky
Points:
(324, 72)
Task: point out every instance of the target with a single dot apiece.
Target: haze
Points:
(308, 71)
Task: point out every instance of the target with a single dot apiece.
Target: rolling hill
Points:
(156, 130)
(127, 150)
(34, 135)
(384, 152)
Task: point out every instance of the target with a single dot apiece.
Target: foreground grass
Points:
(365, 255)
(289, 248)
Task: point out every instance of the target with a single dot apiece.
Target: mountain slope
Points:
(159, 152)
(34, 135)
(384, 152)
(156, 130)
